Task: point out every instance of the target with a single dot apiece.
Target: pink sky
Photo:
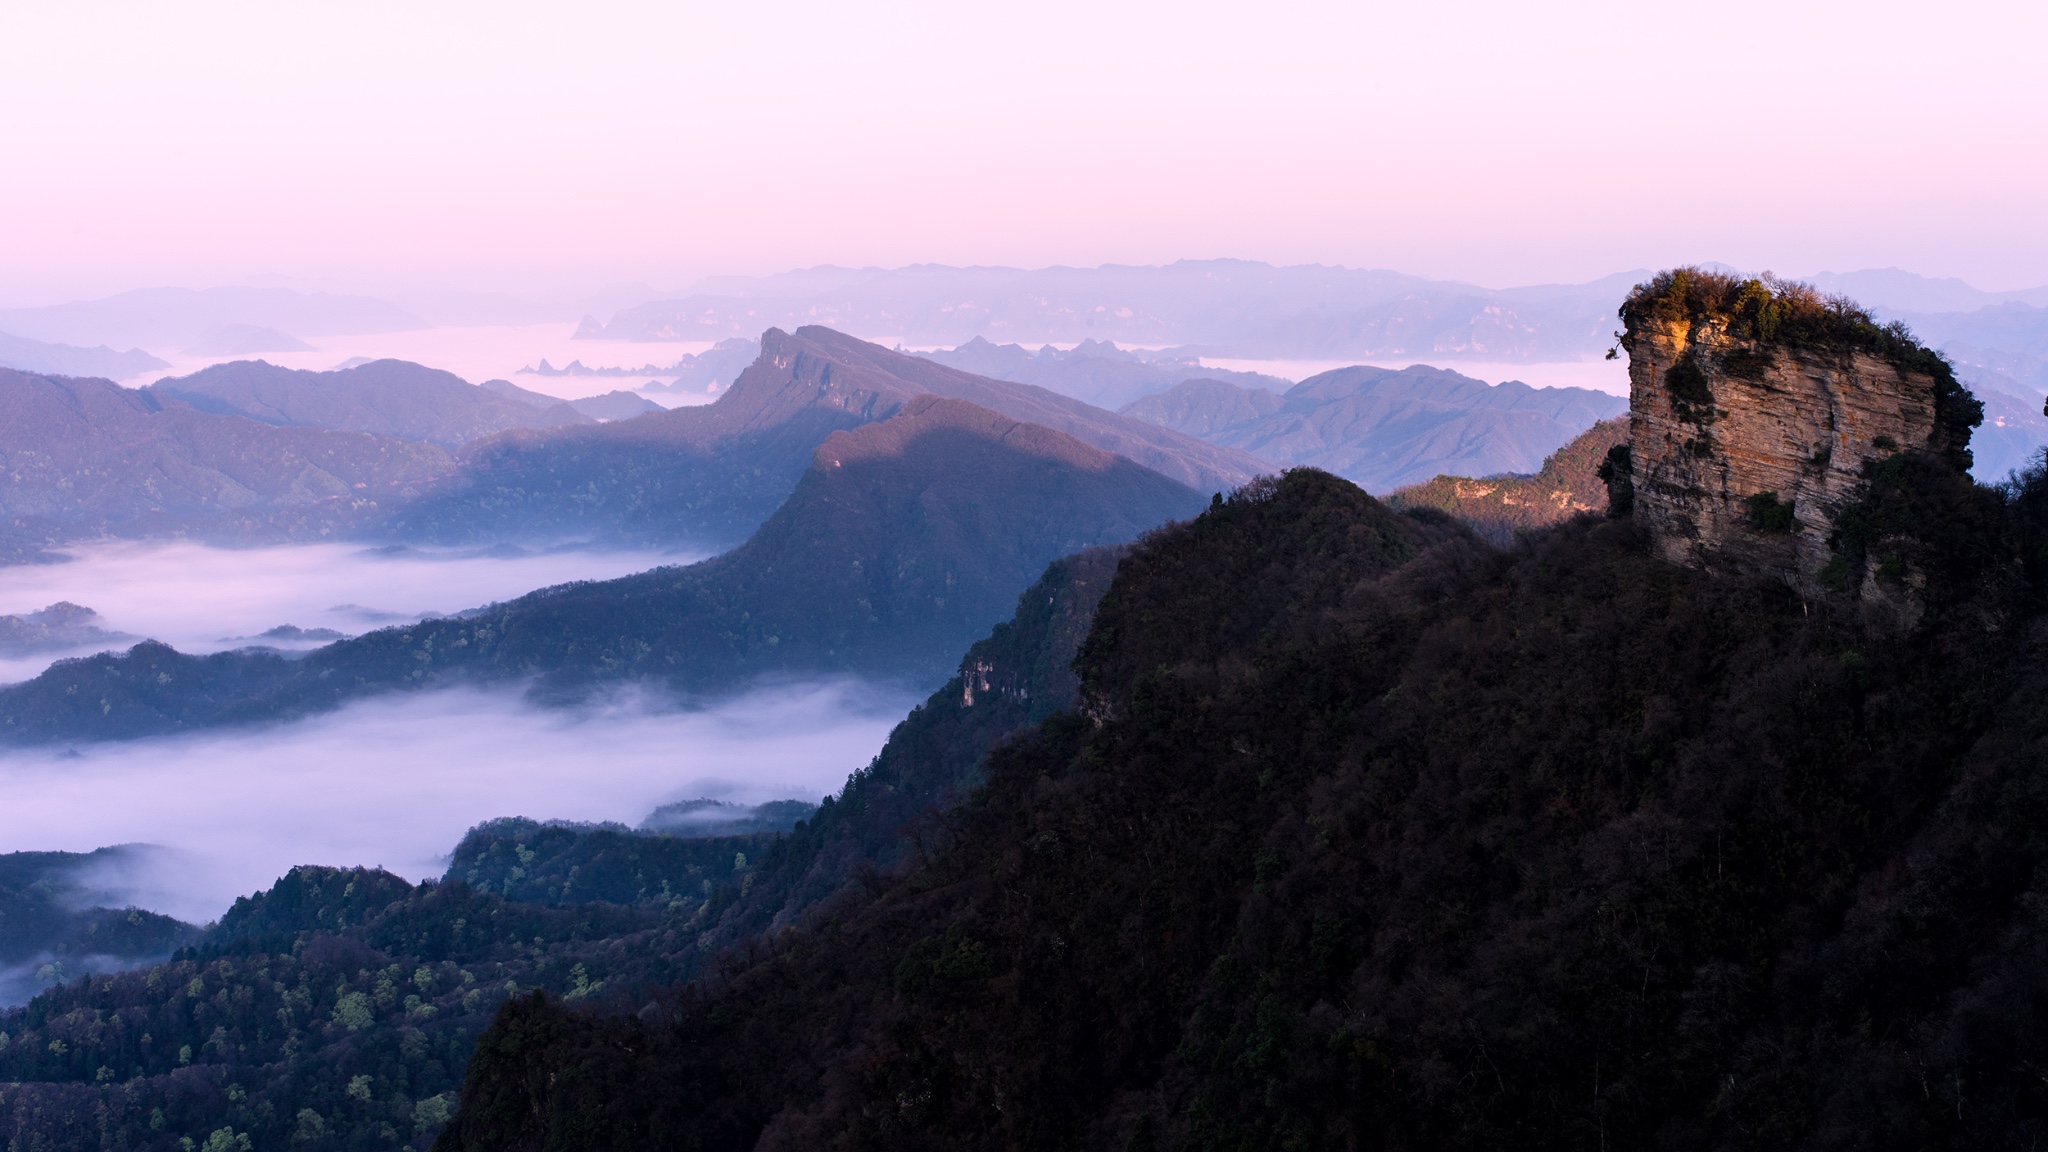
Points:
(552, 148)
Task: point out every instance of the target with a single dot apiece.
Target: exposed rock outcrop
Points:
(1757, 408)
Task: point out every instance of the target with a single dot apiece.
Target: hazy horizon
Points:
(552, 153)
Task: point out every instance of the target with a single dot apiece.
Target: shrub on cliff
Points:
(1765, 312)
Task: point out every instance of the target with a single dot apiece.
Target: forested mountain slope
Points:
(57, 917)
(905, 540)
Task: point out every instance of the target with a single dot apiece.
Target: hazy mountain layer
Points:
(2014, 430)
(1384, 428)
(618, 404)
(715, 367)
(387, 397)
(1897, 290)
(1097, 372)
(87, 457)
(64, 360)
(338, 1009)
(1226, 307)
(188, 318)
(1499, 507)
(2009, 338)
(904, 540)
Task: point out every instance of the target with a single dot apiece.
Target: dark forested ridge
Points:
(905, 540)
(1366, 834)
(338, 1009)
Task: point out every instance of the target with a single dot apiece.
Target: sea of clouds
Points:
(395, 781)
(198, 598)
(391, 781)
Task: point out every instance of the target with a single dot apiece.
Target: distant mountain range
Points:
(212, 317)
(1897, 290)
(710, 474)
(705, 371)
(528, 467)
(905, 540)
(1096, 371)
(65, 360)
(88, 457)
(1245, 309)
(248, 451)
(1232, 308)
(1384, 428)
(2009, 340)
(387, 397)
(1226, 307)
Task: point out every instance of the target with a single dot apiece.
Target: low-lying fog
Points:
(395, 781)
(202, 599)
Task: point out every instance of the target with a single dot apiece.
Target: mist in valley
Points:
(395, 781)
(391, 781)
(199, 598)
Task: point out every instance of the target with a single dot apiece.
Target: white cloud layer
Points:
(395, 781)
(201, 599)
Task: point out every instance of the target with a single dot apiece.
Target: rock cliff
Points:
(1757, 408)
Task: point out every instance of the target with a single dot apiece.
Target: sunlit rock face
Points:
(1744, 449)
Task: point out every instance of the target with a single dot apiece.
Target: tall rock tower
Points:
(1755, 407)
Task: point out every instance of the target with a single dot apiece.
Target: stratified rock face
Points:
(1746, 441)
